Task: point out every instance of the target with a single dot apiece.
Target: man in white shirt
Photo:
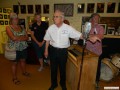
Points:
(58, 36)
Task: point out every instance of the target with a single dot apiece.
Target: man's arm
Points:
(46, 48)
(47, 38)
(77, 35)
(33, 37)
(99, 36)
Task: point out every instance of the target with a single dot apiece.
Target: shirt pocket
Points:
(64, 38)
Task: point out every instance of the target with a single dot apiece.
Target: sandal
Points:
(26, 74)
(16, 81)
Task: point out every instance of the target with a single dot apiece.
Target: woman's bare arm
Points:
(15, 38)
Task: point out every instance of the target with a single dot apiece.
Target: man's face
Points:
(38, 18)
(57, 18)
(96, 19)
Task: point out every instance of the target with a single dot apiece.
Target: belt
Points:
(58, 48)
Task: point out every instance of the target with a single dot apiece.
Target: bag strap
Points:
(11, 28)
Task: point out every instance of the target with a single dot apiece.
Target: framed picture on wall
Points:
(6, 23)
(0, 10)
(23, 9)
(100, 7)
(37, 8)
(90, 8)
(9, 10)
(81, 8)
(46, 9)
(66, 8)
(22, 22)
(110, 7)
(111, 31)
(5, 16)
(30, 9)
(105, 28)
(4, 10)
(1, 22)
(85, 19)
(119, 8)
(8, 16)
(1, 16)
(16, 9)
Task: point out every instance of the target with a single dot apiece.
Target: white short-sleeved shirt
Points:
(59, 36)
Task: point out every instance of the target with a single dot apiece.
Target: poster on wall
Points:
(0, 10)
(30, 9)
(66, 8)
(90, 8)
(1, 22)
(100, 7)
(5, 16)
(110, 7)
(4, 10)
(9, 10)
(1, 16)
(23, 9)
(81, 8)
(37, 8)
(22, 22)
(6, 23)
(15, 9)
(46, 9)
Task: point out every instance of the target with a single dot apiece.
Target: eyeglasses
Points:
(57, 16)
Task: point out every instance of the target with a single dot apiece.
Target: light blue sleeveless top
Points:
(19, 45)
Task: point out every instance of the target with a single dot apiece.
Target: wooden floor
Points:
(38, 80)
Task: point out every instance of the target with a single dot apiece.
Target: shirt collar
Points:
(60, 26)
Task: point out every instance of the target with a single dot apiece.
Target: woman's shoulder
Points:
(8, 27)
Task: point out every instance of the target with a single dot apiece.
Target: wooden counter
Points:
(111, 36)
(89, 68)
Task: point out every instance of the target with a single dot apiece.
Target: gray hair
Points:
(12, 16)
(61, 12)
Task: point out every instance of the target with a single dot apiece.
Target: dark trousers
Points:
(58, 58)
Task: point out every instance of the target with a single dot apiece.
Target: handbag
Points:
(10, 52)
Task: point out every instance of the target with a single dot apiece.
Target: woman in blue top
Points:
(18, 37)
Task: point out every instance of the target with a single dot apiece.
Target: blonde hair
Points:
(12, 16)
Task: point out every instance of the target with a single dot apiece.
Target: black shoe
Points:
(64, 88)
(53, 87)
